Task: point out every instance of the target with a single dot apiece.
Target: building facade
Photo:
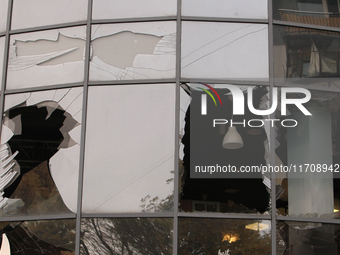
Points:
(108, 148)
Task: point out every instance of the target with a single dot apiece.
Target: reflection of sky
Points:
(130, 146)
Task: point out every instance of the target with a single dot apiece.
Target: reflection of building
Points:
(100, 92)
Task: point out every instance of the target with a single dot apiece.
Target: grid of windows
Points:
(96, 127)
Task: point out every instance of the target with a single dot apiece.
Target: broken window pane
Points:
(228, 9)
(45, 58)
(2, 53)
(314, 12)
(34, 13)
(133, 51)
(40, 152)
(311, 150)
(223, 236)
(129, 152)
(215, 178)
(225, 51)
(38, 237)
(114, 9)
(299, 238)
(3, 14)
(126, 236)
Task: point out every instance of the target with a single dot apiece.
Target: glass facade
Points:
(111, 112)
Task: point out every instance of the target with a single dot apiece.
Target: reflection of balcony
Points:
(314, 18)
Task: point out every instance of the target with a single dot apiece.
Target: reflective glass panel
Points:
(35, 13)
(224, 50)
(133, 51)
(38, 237)
(228, 9)
(40, 152)
(314, 12)
(308, 147)
(223, 236)
(307, 57)
(299, 238)
(45, 58)
(3, 14)
(129, 152)
(222, 154)
(114, 9)
(126, 236)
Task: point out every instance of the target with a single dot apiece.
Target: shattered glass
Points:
(225, 51)
(35, 13)
(114, 9)
(133, 51)
(126, 236)
(226, 9)
(223, 236)
(39, 152)
(130, 149)
(47, 57)
(306, 238)
(48, 237)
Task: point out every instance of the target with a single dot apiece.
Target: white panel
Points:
(226, 8)
(34, 13)
(114, 9)
(129, 147)
(3, 14)
(224, 50)
(2, 49)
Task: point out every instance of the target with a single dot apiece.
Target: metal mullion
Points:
(83, 127)
(225, 216)
(177, 124)
(252, 82)
(272, 152)
(48, 27)
(43, 88)
(315, 220)
(129, 215)
(37, 217)
(132, 82)
(221, 19)
(5, 61)
(132, 20)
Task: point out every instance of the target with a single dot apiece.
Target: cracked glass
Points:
(133, 51)
(223, 236)
(225, 51)
(114, 9)
(40, 152)
(126, 236)
(226, 9)
(46, 58)
(129, 152)
(38, 237)
(302, 238)
(35, 13)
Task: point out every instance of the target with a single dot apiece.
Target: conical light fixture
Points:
(232, 139)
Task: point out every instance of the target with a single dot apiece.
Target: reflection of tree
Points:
(41, 237)
(126, 236)
(208, 236)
